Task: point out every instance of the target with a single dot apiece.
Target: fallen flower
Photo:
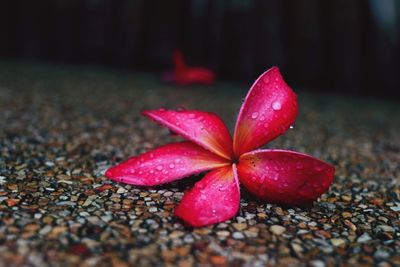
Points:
(187, 75)
(274, 175)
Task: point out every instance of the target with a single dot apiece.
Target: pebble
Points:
(89, 200)
(237, 235)
(121, 190)
(277, 229)
(364, 238)
(338, 241)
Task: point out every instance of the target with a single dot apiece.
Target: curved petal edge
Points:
(165, 164)
(285, 177)
(203, 128)
(213, 199)
(268, 110)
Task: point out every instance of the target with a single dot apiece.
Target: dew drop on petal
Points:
(276, 105)
(151, 171)
(171, 166)
(159, 167)
(254, 115)
(319, 168)
(275, 176)
(192, 115)
(299, 165)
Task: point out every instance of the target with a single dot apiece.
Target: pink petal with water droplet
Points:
(268, 110)
(203, 128)
(215, 198)
(165, 164)
(284, 177)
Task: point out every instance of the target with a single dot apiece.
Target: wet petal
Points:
(284, 177)
(215, 198)
(165, 164)
(203, 128)
(268, 110)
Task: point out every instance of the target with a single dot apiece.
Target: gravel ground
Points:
(61, 127)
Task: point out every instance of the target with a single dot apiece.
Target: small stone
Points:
(89, 200)
(153, 209)
(385, 228)
(364, 238)
(223, 233)
(121, 190)
(218, 260)
(397, 208)
(238, 235)
(297, 248)
(176, 234)
(277, 229)
(11, 202)
(338, 241)
(381, 254)
(239, 226)
(317, 263)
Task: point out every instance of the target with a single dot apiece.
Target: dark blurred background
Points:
(328, 46)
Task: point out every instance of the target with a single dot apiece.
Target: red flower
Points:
(274, 175)
(187, 75)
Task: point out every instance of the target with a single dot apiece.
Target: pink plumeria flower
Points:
(274, 175)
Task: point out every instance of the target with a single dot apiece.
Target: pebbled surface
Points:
(61, 128)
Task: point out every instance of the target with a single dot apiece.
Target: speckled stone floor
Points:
(61, 127)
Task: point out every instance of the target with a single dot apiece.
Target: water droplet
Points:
(177, 160)
(275, 176)
(140, 172)
(151, 171)
(254, 115)
(159, 167)
(319, 168)
(299, 165)
(253, 178)
(192, 115)
(133, 171)
(214, 211)
(171, 166)
(266, 125)
(276, 105)
(262, 118)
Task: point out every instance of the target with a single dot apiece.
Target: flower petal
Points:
(268, 111)
(284, 177)
(203, 128)
(215, 198)
(165, 164)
